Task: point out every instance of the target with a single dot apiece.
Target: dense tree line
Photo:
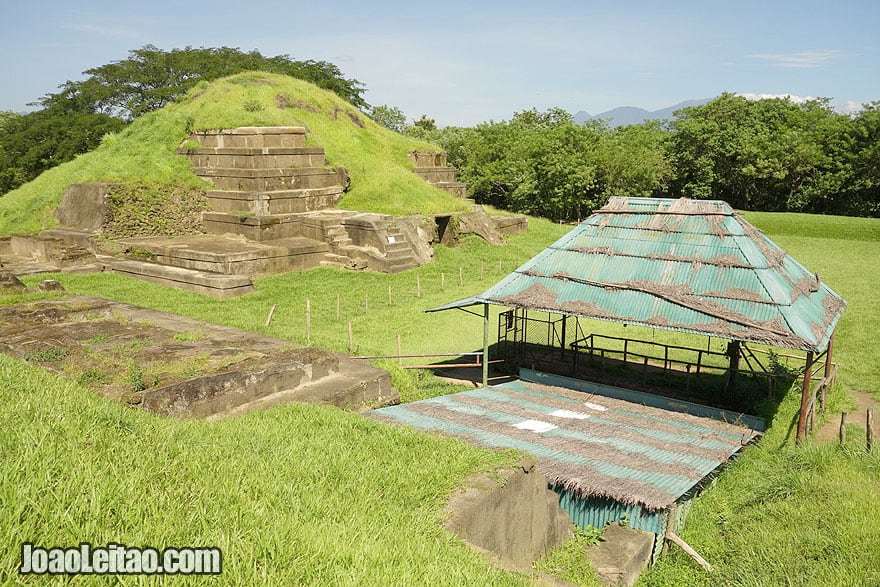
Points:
(73, 120)
(773, 155)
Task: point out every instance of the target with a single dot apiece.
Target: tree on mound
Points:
(73, 120)
(151, 78)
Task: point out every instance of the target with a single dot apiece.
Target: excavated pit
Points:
(181, 367)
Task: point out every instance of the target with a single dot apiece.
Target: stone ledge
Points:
(216, 285)
(623, 554)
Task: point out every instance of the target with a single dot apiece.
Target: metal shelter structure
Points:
(693, 266)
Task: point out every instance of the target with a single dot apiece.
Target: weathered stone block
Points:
(83, 206)
(8, 280)
(518, 518)
(428, 158)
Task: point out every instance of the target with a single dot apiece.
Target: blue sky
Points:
(468, 62)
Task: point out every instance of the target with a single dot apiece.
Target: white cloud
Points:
(848, 107)
(799, 59)
(792, 97)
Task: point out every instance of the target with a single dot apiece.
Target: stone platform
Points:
(181, 367)
(230, 255)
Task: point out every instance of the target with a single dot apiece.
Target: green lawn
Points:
(296, 494)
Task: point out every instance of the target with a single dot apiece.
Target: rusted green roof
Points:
(689, 265)
(592, 440)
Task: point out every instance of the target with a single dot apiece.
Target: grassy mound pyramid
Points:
(145, 152)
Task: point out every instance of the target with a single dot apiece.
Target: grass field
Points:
(297, 494)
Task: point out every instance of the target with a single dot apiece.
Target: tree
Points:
(771, 155)
(633, 160)
(150, 78)
(390, 117)
(34, 142)
(428, 124)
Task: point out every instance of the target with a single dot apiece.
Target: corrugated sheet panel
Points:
(593, 445)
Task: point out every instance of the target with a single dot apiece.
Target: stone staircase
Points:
(265, 171)
(432, 167)
(274, 190)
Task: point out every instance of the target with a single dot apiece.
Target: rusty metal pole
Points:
(828, 366)
(485, 345)
(805, 399)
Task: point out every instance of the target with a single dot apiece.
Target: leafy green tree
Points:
(771, 155)
(390, 117)
(151, 77)
(428, 124)
(34, 142)
(633, 160)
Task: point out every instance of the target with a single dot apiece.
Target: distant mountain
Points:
(624, 115)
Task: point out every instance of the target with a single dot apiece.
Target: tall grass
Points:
(303, 495)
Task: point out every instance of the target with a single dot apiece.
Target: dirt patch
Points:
(831, 430)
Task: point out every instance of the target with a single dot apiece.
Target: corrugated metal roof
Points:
(689, 265)
(595, 445)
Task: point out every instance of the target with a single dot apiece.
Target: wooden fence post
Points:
(269, 317)
(308, 321)
(869, 430)
(350, 340)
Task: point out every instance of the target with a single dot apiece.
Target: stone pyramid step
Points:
(255, 158)
(276, 201)
(262, 180)
(253, 137)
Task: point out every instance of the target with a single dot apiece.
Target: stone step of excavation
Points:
(335, 261)
(267, 180)
(217, 285)
(422, 158)
(253, 137)
(255, 228)
(230, 256)
(355, 385)
(275, 202)
(453, 188)
(265, 158)
(436, 174)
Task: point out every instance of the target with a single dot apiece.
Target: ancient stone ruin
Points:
(272, 210)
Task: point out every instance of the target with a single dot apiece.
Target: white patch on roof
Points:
(596, 407)
(535, 426)
(569, 414)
